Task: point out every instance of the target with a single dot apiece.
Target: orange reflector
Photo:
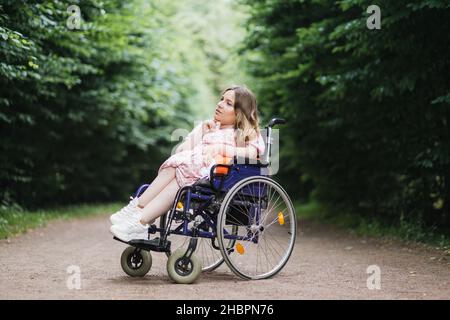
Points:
(280, 218)
(179, 205)
(221, 171)
(240, 249)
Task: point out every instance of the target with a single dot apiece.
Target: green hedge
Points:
(85, 114)
(368, 110)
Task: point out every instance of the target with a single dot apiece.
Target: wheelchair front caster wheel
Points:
(136, 262)
(182, 270)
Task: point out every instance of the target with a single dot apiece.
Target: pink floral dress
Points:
(192, 165)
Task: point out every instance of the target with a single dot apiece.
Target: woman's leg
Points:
(161, 203)
(165, 176)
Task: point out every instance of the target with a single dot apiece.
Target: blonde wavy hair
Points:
(247, 120)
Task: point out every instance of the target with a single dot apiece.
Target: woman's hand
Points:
(209, 125)
(210, 151)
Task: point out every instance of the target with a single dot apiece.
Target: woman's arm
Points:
(185, 145)
(194, 138)
(229, 151)
(241, 152)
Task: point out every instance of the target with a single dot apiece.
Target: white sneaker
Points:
(130, 230)
(129, 212)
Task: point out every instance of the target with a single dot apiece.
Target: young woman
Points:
(234, 131)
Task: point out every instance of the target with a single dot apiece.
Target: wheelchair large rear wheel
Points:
(266, 225)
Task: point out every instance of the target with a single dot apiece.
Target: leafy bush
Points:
(368, 110)
(85, 115)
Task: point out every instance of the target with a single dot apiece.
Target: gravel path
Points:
(326, 264)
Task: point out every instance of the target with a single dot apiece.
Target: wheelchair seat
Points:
(203, 183)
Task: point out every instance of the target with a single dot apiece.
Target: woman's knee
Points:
(168, 171)
(174, 186)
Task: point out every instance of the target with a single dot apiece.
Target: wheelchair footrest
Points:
(155, 244)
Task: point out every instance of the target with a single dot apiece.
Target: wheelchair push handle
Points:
(275, 121)
(272, 122)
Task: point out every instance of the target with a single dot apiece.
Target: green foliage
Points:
(368, 110)
(211, 33)
(85, 115)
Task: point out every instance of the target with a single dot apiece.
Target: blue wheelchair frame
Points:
(206, 196)
(209, 194)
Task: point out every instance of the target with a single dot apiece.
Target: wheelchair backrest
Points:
(236, 173)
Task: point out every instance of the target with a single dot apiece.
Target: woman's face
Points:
(225, 109)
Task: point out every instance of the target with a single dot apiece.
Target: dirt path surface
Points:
(326, 264)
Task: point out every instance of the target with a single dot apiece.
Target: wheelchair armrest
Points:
(221, 171)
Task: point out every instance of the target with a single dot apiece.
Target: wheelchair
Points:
(238, 215)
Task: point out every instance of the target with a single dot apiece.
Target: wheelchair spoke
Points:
(202, 251)
(210, 257)
(272, 253)
(272, 195)
(266, 255)
(235, 218)
(208, 253)
(275, 241)
(244, 200)
(265, 248)
(275, 219)
(271, 208)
